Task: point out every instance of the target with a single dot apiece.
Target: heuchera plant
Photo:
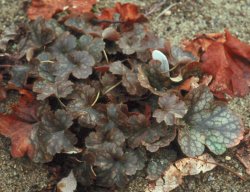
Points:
(90, 91)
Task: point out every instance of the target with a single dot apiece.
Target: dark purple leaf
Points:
(171, 108)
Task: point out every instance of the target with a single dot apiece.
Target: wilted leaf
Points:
(129, 78)
(173, 176)
(152, 79)
(171, 108)
(209, 123)
(67, 184)
(47, 8)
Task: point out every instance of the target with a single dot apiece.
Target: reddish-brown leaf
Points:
(229, 64)
(18, 125)
(200, 44)
(47, 8)
(129, 13)
(19, 133)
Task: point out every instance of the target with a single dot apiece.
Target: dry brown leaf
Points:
(173, 176)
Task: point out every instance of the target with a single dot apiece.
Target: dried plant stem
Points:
(165, 10)
(155, 8)
(96, 99)
(223, 166)
(5, 66)
(106, 56)
(61, 103)
(112, 87)
(47, 61)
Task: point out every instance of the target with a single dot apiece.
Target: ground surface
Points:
(183, 20)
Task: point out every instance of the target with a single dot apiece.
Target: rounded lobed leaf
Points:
(171, 108)
(209, 123)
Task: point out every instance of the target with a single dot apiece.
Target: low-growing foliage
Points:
(91, 93)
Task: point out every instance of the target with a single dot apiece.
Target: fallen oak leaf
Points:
(227, 59)
(19, 133)
(200, 44)
(18, 125)
(47, 8)
(128, 12)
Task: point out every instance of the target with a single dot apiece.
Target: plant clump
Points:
(92, 95)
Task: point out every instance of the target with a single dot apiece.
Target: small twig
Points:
(223, 166)
(106, 56)
(61, 103)
(112, 87)
(47, 61)
(96, 99)
(155, 8)
(97, 21)
(165, 10)
(5, 66)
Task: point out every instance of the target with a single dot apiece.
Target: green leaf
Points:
(208, 123)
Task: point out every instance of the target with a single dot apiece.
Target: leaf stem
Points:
(96, 99)
(112, 87)
(106, 56)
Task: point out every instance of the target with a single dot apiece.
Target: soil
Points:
(184, 19)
